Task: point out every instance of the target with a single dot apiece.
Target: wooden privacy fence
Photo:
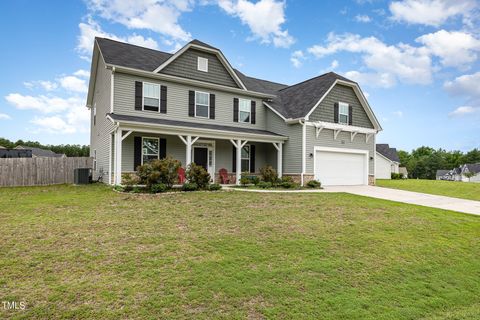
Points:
(40, 171)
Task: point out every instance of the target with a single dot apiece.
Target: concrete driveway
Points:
(422, 199)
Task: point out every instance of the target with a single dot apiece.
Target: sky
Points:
(417, 61)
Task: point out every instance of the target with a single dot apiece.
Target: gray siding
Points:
(176, 148)
(99, 134)
(324, 112)
(186, 66)
(292, 148)
(177, 103)
(325, 139)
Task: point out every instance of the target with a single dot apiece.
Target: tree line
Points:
(70, 150)
(423, 162)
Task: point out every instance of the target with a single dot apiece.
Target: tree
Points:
(70, 150)
(469, 175)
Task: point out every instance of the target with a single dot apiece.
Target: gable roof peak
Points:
(202, 44)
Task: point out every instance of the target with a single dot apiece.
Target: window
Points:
(244, 109)
(202, 104)
(150, 149)
(245, 158)
(95, 160)
(202, 64)
(343, 112)
(95, 114)
(151, 97)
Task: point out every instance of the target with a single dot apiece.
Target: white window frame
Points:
(249, 157)
(199, 64)
(340, 104)
(153, 138)
(207, 105)
(249, 110)
(159, 96)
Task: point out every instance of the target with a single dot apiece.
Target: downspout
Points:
(304, 148)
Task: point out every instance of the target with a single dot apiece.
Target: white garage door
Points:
(340, 168)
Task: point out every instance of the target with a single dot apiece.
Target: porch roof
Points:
(194, 126)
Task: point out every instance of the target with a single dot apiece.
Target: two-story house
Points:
(192, 105)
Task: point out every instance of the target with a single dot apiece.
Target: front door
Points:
(200, 156)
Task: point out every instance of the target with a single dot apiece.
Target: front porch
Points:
(237, 152)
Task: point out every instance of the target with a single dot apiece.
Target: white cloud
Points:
(154, 15)
(296, 58)
(73, 83)
(42, 103)
(430, 12)
(334, 65)
(389, 62)
(463, 111)
(362, 18)
(465, 85)
(4, 116)
(82, 73)
(46, 85)
(454, 48)
(264, 18)
(384, 80)
(91, 29)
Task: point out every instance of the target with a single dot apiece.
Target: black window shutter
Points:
(163, 99)
(350, 115)
(335, 112)
(252, 158)
(235, 109)
(212, 106)
(234, 159)
(253, 111)
(137, 152)
(191, 103)
(138, 95)
(163, 148)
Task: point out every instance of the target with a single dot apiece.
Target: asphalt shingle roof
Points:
(390, 153)
(473, 167)
(293, 101)
(441, 173)
(37, 152)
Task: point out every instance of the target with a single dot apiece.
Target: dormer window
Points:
(202, 64)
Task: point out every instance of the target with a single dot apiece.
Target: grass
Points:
(87, 252)
(464, 190)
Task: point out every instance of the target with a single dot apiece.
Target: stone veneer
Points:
(371, 180)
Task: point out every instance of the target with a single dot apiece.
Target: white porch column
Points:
(238, 144)
(279, 147)
(118, 156)
(188, 141)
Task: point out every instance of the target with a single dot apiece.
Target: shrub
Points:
(395, 176)
(255, 180)
(214, 187)
(264, 185)
(119, 188)
(245, 178)
(314, 184)
(136, 190)
(159, 171)
(158, 187)
(286, 179)
(269, 174)
(289, 185)
(198, 175)
(189, 186)
(129, 180)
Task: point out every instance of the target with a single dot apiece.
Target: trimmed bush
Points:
(245, 178)
(159, 171)
(198, 175)
(255, 180)
(129, 180)
(286, 179)
(189, 186)
(395, 176)
(264, 185)
(214, 187)
(314, 184)
(289, 185)
(269, 174)
(136, 190)
(157, 188)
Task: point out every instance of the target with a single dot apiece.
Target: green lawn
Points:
(464, 190)
(87, 252)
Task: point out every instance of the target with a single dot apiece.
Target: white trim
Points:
(159, 95)
(126, 135)
(359, 95)
(340, 113)
(340, 150)
(352, 135)
(198, 64)
(368, 136)
(210, 147)
(249, 110)
(342, 127)
(205, 133)
(110, 159)
(112, 89)
(335, 133)
(389, 160)
(153, 138)
(208, 105)
(218, 53)
(274, 111)
(190, 82)
(249, 155)
(304, 152)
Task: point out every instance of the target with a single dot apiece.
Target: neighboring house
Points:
(403, 171)
(387, 162)
(443, 175)
(473, 168)
(41, 153)
(15, 153)
(192, 105)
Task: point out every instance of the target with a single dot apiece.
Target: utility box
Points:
(81, 176)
